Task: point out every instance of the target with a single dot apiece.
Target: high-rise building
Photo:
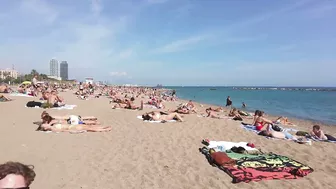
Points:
(64, 70)
(54, 67)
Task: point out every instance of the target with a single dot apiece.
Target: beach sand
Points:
(136, 154)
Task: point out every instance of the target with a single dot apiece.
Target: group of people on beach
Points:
(125, 98)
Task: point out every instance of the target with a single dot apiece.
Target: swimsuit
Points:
(259, 126)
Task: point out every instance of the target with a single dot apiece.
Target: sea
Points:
(309, 103)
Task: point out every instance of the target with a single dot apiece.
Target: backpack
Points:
(32, 104)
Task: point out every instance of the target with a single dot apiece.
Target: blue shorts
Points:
(288, 135)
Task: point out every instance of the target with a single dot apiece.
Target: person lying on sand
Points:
(211, 114)
(319, 134)
(50, 124)
(129, 105)
(269, 132)
(161, 116)
(283, 120)
(219, 109)
(74, 119)
(4, 99)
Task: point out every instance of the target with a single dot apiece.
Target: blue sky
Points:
(175, 42)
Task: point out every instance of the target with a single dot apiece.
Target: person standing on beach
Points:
(228, 101)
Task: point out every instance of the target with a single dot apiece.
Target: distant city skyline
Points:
(64, 72)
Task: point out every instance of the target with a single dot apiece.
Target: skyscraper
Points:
(64, 70)
(54, 67)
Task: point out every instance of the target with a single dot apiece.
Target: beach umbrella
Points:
(26, 83)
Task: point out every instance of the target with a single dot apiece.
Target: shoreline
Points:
(273, 115)
(303, 124)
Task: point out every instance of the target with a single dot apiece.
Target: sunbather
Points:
(269, 132)
(4, 99)
(235, 114)
(51, 124)
(212, 114)
(260, 121)
(319, 134)
(90, 120)
(161, 116)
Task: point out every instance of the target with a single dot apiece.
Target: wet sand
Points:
(136, 154)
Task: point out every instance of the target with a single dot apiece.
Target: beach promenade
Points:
(136, 154)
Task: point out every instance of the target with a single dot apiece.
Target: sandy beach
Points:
(136, 154)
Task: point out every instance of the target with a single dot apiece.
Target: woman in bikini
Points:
(260, 121)
(161, 116)
(51, 124)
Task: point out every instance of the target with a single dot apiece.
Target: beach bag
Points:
(221, 159)
(32, 104)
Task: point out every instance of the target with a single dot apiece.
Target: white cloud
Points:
(118, 74)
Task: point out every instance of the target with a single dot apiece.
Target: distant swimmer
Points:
(243, 105)
(228, 101)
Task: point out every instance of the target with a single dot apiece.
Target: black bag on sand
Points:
(32, 104)
(276, 128)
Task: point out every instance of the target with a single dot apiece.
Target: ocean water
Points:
(303, 104)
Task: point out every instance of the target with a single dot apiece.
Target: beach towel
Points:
(269, 167)
(150, 106)
(140, 117)
(262, 167)
(65, 107)
(20, 94)
(222, 146)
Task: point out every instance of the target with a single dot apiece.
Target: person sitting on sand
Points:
(319, 134)
(260, 121)
(4, 99)
(50, 124)
(235, 114)
(5, 89)
(161, 116)
(54, 100)
(190, 106)
(129, 105)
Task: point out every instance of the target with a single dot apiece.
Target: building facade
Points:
(54, 68)
(9, 73)
(64, 70)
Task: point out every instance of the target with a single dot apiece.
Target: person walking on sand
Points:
(228, 101)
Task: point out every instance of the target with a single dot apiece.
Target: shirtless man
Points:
(318, 133)
(4, 89)
(55, 100)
